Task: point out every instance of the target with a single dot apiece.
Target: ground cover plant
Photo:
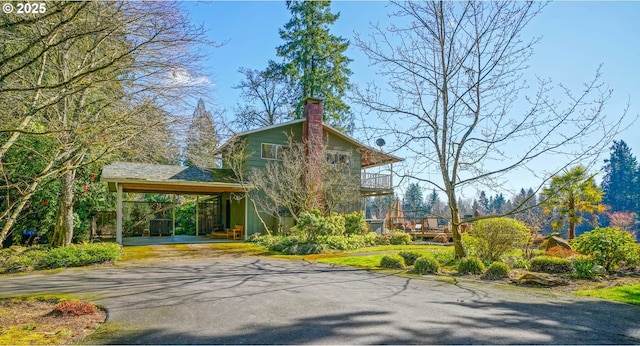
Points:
(19, 259)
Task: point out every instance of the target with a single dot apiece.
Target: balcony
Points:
(375, 184)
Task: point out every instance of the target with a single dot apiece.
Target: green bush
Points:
(354, 224)
(302, 249)
(518, 262)
(496, 237)
(609, 247)
(400, 238)
(410, 257)
(549, 264)
(38, 257)
(585, 268)
(370, 239)
(288, 245)
(392, 262)
(80, 255)
(445, 257)
(312, 225)
(470, 265)
(426, 264)
(496, 271)
(342, 242)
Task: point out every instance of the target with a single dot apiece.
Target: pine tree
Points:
(314, 59)
(620, 183)
(201, 139)
(413, 202)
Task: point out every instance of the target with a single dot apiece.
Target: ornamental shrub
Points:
(471, 265)
(585, 268)
(400, 238)
(392, 262)
(426, 264)
(609, 247)
(548, 264)
(409, 257)
(354, 223)
(69, 307)
(312, 225)
(496, 271)
(498, 236)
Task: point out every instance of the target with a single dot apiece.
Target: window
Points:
(339, 158)
(272, 151)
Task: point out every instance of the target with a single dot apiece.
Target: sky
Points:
(576, 38)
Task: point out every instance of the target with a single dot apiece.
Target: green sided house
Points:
(228, 206)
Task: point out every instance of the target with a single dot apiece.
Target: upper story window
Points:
(272, 151)
(339, 158)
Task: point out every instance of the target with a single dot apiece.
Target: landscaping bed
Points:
(40, 322)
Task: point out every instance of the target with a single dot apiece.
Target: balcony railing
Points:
(376, 181)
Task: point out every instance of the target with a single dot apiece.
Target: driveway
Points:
(251, 300)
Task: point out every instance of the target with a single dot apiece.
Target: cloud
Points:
(182, 77)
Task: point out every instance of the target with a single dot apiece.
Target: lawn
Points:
(625, 294)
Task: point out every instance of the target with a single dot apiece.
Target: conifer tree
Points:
(201, 141)
(620, 183)
(314, 59)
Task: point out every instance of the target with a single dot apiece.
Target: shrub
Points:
(471, 265)
(426, 264)
(585, 268)
(559, 251)
(392, 262)
(79, 255)
(19, 264)
(400, 238)
(370, 239)
(302, 249)
(497, 270)
(409, 257)
(518, 262)
(69, 307)
(441, 238)
(445, 257)
(609, 247)
(342, 242)
(354, 223)
(548, 264)
(498, 236)
(311, 225)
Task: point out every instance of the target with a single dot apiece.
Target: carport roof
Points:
(155, 178)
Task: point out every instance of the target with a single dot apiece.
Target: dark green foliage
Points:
(409, 257)
(312, 225)
(354, 223)
(392, 262)
(549, 264)
(400, 238)
(426, 264)
(621, 182)
(470, 265)
(314, 59)
(609, 247)
(496, 271)
(24, 259)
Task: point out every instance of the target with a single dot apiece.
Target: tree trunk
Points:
(458, 246)
(63, 232)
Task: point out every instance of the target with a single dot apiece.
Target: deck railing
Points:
(376, 181)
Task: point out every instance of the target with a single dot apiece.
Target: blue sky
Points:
(576, 38)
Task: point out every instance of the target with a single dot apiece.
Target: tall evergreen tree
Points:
(314, 59)
(620, 183)
(202, 139)
(413, 203)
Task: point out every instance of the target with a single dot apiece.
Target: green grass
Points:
(625, 294)
(370, 261)
(418, 248)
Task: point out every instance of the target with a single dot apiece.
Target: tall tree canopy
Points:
(453, 73)
(314, 59)
(622, 179)
(570, 196)
(85, 80)
(201, 139)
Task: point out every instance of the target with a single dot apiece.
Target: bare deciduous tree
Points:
(454, 73)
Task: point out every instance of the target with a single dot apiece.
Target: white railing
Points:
(376, 181)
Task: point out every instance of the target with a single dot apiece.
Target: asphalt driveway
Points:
(253, 300)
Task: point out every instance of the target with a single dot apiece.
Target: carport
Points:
(127, 177)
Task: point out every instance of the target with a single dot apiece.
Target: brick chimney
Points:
(314, 141)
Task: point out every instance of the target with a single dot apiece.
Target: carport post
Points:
(197, 202)
(173, 215)
(246, 212)
(119, 214)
